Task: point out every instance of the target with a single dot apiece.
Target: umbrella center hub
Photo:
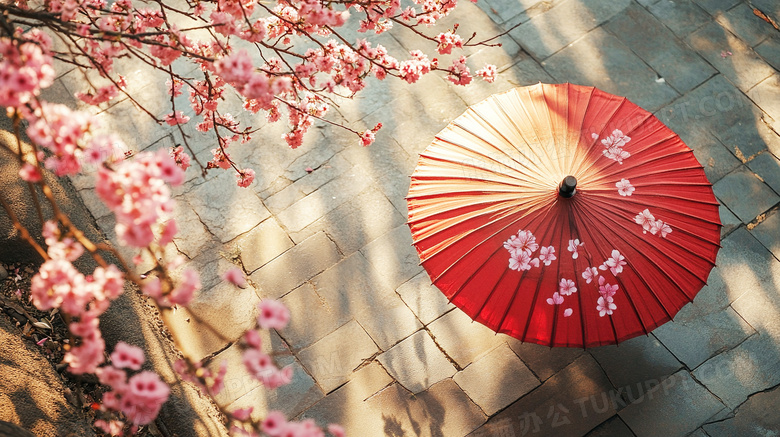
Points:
(568, 187)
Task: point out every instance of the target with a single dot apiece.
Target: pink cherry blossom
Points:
(176, 117)
(615, 263)
(567, 287)
(112, 377)
(487, 73)
(243, 414)
(523, 242)
(660, 226)
(590, 274)
(273, 314)
(547, 255)
(646, 219)
(607, 290)
(252, 338)
(127, 356)
(605, 306)
(143, 397)
(624, 187)
(567, 312)
(556, 299)
(30, 173)
(235, 276)
(523, 262)
(246, 177)
(184, 292)
(274, 423)
(574, 247)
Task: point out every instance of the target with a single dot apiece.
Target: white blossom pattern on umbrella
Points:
(649, 223)
(605, 306)
(567, 312)
(556, 299)
(547, 255)
(624, 187)
(574, 247)
(567, 287)
(615, 263)
(524, 241)
(590, 274)
(613, 145)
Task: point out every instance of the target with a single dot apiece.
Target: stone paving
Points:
(378, 349)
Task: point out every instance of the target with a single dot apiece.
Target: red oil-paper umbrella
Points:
(563, 215)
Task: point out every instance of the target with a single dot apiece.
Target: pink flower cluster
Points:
(140, 397)
(59, 285)
(613, 146)
(25, 68)
(63, 132)
(276, 425)
(649, 223)
(136, 192)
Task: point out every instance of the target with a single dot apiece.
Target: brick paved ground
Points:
(377, 348)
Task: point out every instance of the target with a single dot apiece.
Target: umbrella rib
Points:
(501, 136)
(657, 207)
(453, 143)
(590, 263)
(473, 166)
(690, 234)
(620, 223)
(641, 278)
(481, 213)
(595, 140)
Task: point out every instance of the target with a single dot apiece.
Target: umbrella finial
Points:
(568, 186)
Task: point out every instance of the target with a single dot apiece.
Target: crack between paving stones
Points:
(210, 357)
(735, 411)
(446, 355)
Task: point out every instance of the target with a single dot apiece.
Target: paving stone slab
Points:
(332, 359)
(238, 381)
(682, 17)
(715, 6)
(346, 405)
(766, 95)
(416, 362)
(542, 360)
(757, 416)
(243, 390)
(496, 380)
(353, 288)
(442, 410)
(192, 237)
(526, 71)
(743, 67)
(572, 402)
(262, 244)
(675, 407)
(728, 220)
(285, 197)
(463, 339)
(767, 167)
(336, 192)
(734, 375)
(767, 231)
(717, 108)
(636, 360)
(745, 194)
(296, 265)
(716, 158)
(681, 67)
(226, 209)
(770, 51)
(424, 299)
(740, 268)
(357, 222)
(310, 317)
(214, 306)
(761, 306)
(393, 256)
(602, 60)
(695, 341)
(614, 427)
(741, 21)
(566, 22)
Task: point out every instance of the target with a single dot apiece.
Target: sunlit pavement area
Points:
(377, 348)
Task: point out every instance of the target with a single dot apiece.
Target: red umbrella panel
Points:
(563, 215)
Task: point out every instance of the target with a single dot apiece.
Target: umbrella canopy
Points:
(563, 215)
